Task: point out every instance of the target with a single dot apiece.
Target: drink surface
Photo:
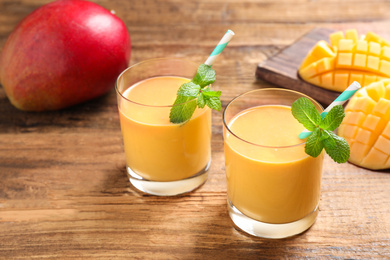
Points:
(148, 92)
(150, 100)
(155, 148)
(270, 178)
(267, 126)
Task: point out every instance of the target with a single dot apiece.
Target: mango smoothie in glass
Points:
(273, 185)
(162, 158)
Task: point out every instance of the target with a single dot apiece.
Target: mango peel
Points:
(348, 58)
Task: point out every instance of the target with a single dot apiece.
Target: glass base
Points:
(267, 230)
(168, 188)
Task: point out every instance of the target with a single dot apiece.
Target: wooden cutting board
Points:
(282, 68)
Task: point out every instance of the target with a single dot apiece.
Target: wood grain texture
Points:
(63, 189)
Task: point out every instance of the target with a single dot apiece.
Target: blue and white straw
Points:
(340, 100)
(219, 48)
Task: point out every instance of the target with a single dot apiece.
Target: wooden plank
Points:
(64, 192)
(282, 68)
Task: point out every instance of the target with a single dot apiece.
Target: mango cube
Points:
(335, 38)
(366, 126)
(346, 45)
(352, 34)
(361, 46)
(348, 58)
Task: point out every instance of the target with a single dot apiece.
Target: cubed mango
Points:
(366, 126)
(348, 58)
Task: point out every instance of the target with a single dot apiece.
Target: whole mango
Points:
(64, 53)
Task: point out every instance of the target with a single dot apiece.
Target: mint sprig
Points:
(182, 109)
(195, 93)
(321, 130)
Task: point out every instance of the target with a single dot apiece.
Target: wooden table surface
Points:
(63, 187)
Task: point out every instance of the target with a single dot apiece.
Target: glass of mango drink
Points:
(273, 186)
(162, 158)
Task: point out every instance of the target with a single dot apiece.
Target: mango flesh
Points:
(366, 126)
(347, 59)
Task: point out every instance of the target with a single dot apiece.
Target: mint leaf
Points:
(189, 89)
(333, 119)
(201, 100)
(195, 93)
(210, 93)
(213, 103)
(204, 76)
(338, 149)
(182, 109)
(329, 141)
(314, 145)
(322, 136)
(306, 113)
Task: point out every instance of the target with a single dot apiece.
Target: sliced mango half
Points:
(347, 59)
(366, 126)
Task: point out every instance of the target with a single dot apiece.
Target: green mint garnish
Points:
(186, 103)
(183, 109)
(321, 130)
(306, 113)
(189, 89)
(314, 144)
(204, 76)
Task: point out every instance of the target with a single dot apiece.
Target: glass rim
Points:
(257, 90)
(147, 61)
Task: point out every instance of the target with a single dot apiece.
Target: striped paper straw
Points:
(340, 100)
(219, 48)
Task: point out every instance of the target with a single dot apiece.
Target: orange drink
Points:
(162, 158)
(273, 185)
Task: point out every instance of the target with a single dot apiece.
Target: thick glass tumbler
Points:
(162, 158)
(273, 185)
